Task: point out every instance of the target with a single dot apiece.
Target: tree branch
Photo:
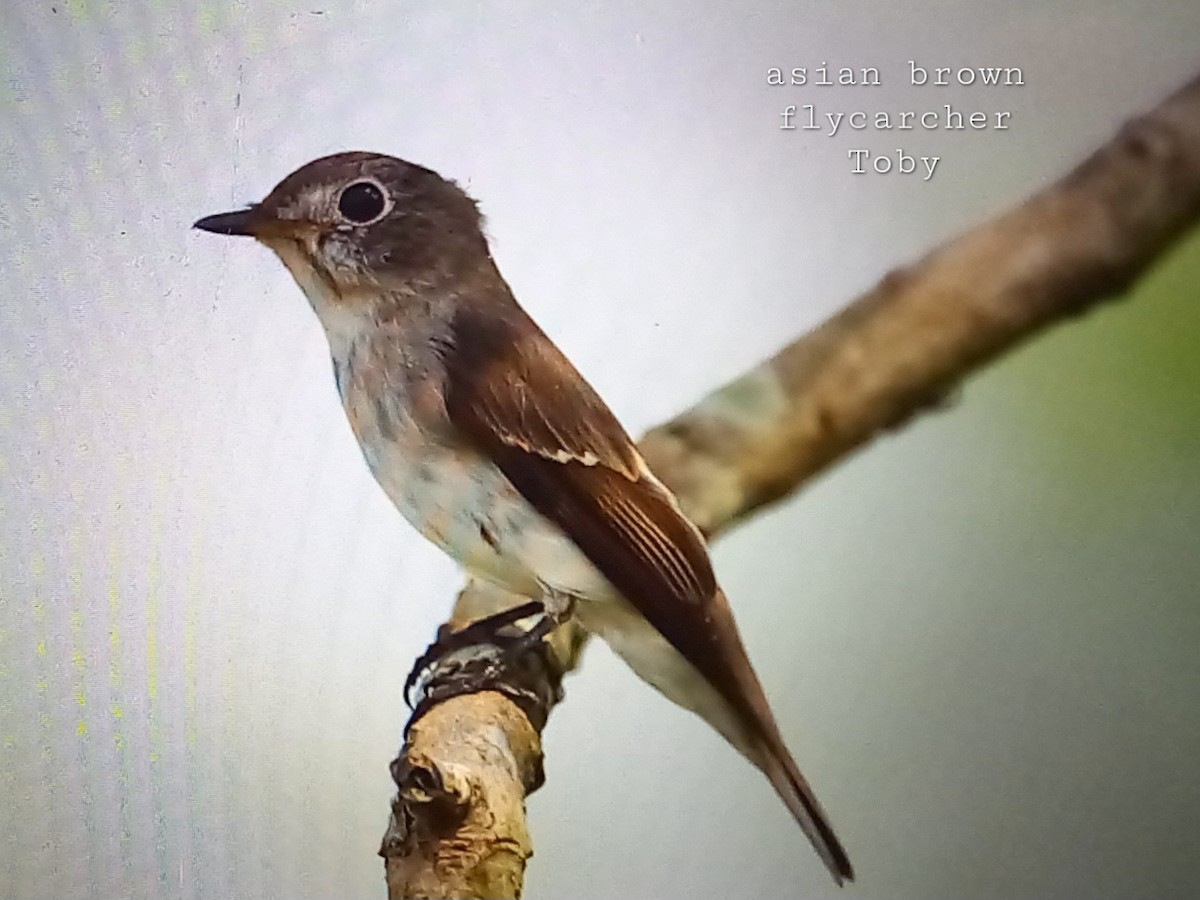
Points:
(458, 825)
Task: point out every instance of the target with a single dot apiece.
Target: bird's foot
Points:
(480, 636)
(491, 654)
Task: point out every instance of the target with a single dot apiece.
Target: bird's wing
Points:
(514, 393)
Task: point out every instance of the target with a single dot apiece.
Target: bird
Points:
(495, 448)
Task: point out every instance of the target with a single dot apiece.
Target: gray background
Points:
(980, 635)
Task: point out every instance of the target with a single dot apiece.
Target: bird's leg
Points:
(557, 608)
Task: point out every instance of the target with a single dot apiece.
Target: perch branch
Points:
(458, 824)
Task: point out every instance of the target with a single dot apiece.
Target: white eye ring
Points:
(363, 201)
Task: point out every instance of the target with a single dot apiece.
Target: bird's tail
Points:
(740, 713)
(781, 770)
(761, 742)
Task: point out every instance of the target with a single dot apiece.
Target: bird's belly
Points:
(465, 505)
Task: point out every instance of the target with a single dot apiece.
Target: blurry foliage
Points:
(1112, 402)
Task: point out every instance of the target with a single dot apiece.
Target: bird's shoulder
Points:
(507, 382)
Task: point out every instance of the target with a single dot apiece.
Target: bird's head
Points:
(360, 223)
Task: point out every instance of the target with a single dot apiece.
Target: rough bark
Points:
(458, 824)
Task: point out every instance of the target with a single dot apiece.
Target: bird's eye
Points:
(361, 202)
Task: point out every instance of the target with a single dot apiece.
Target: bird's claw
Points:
(474, 656)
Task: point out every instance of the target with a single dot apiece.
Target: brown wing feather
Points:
(514, 393)
(514, 386)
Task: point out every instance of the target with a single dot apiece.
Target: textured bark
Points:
(460, 816)
(458, 826)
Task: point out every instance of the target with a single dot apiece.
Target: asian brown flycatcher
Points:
(494, 447)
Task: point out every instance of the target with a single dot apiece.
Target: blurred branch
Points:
(458, 826)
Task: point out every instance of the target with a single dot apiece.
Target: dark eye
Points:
(361, 202)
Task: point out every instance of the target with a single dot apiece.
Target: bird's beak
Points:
(248, 221)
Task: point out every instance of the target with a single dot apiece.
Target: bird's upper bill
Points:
(239, 221)
(253, 221)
